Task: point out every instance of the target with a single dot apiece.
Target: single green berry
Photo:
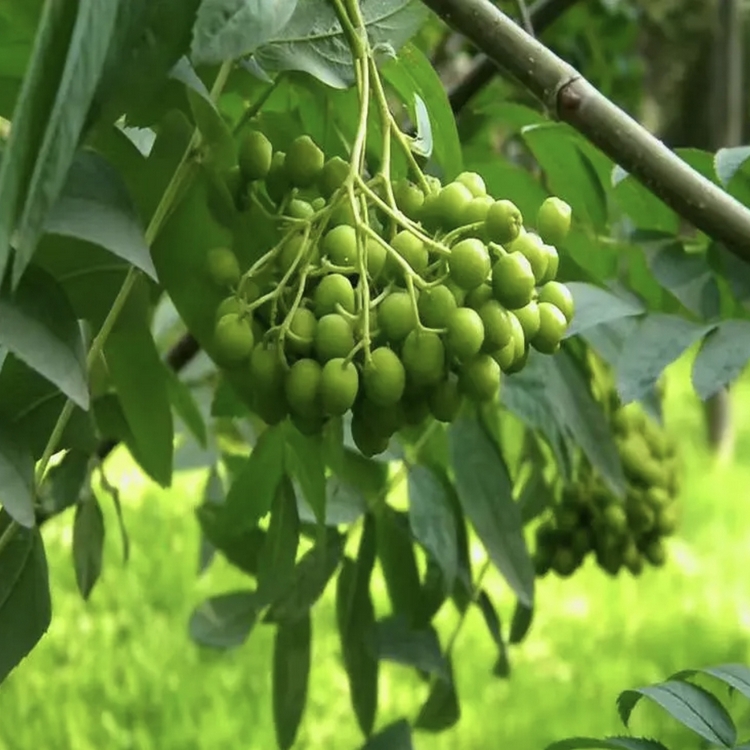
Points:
(498, 329)
(254, 156)
(302, 387)
(560, 296)
(445, 399)
(451, 204)
(277, 180)
(474, 182)
(412, 250)
(553, 220)
(334, 337)
(465, 334)
(376, 258)
(513, 281)
(528, 317)
(552, 328)
(530, 245)
(302, 329)
(480, 378)
(503, 222)
(423, 357)
(304, 161)
(339, 385)
(384, 377)
(223, 267)
(333, 290)
(469, 263)
(233, 338)
(477, 209)
(340, 245)
(332, 176)
(435, 306)
(299, 209)
(396, 316)
(409, 198)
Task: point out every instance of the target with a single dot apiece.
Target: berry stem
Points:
(410, 273)
(257, 105)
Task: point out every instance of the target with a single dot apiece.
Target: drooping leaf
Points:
(395, 736)
(398, 562)
(536, 495)
(186, 407)
(486, 496)
(16, 478)
(521, 622)
(31, 115)
(607, 743)
(305, 462)
(594, 306)
(312, 40)
(355, 617)
(95, 206)
(432, 520)
(213, 494)
(241, 546)
(88, 544)
(65, 122)
(64, 481)
(229, 29)
(692, 706)
(723, 356)
(657, 342)
(735, 676)
(419, 648)
(138, 374)
(494, 625)
(277, 558)
(291, 673)
(410, 74)
(38, 325)
(25, 605)
(441, 710)
(225, 621)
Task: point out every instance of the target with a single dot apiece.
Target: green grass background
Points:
(120, 672)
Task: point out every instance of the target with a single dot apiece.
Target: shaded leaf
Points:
(521, 622)
(291, 673)
(486, 496)
(88, 544)
(723, 356)
(16, 478)
(736, 676)
(441, 710)
(241, 546)
(213, 494)
(395, 736)
(594, 306)
(492, 621)
(25, 605)
(305, 462)
(225, 621)
(186, 407)
(728, 161)
(642, 207)
(608, 743)
(38, 325)
(63, 482)
(692, 706)
(419, 648)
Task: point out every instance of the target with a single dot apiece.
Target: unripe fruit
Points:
(304, 161)
(384, 377)
(506, 356)
(367, 440)
(469, 263)
(396, 316)
(266, 368)
(254, 156)
(409, 198)
(451, 204)
(655, 552)
(223, 267)
(476, 210)
(291, 252)
(277, 180)
(564, 562)
(503, 222)
(435, 306)
(340, 245)
(339, 384)
(473, 182)
(318, 203)
(531, 247)
(302, 387)
(333, 289)
(553, 220)
(560, 296)
(376, 258)
(309, 424)
(476, 298)
(480, 378)
(445, 399)
(332, 176)
(458, 294)
(513, 281)
(228, 305)
(553, 264)
(615, 518)
(552, 327)
(429, 215)
(342, 214)
(333, 337)
(302, 327)
(498, 330)
(423, 357)
(522, 356)
(299, 209)
(412, 250)
(233, 338)
(528, 317)
(416, 410)
(465, 333)
(383, 420)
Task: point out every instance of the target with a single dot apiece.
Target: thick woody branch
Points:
(574, 100)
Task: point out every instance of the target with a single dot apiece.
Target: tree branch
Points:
(542, 14)
(575, 101)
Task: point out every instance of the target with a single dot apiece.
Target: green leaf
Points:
(536, 495)
(139, 376)
(186, 407)
(432, 521)
(225, 621)
(88, 544)
(16, 478)
(412, 74)
(692, 706)
(723, 356)
(736, 676)
(304, 460)
(486, 496)
(395, 736)
(355, 617)
(594, 306)
(241, 547)
(228, 29)
(568, 172)
(311, 576)
(729, 161)
(95, 206)
(312, 41)
(252, 492)
(291, 673)
(277, 558)
(657, 342)
(31, 114)
(25, 606)
(400, 643)
(441, 710)
(608, 743)
(642, 207)
(213, 494)
(521, 622)
(398, 562)
(64, 482)
(65, 123)
(492, 621)
(38, 325)
(345, 504)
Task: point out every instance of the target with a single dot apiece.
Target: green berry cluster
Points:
(621, 533)
(395, 300)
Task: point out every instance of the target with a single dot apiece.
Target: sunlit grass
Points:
(121, 672)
